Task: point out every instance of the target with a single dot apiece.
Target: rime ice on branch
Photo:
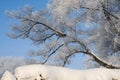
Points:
(71, 27)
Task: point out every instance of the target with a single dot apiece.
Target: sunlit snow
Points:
(44, 72)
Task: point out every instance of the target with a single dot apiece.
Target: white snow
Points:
(8, 76)
(37, 71)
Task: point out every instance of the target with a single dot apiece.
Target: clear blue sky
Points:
(12, 47)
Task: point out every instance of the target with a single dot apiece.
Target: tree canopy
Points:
(69, 27)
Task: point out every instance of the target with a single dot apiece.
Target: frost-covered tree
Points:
(10, 63)
(70, 27)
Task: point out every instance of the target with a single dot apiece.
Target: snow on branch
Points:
(37, 22)
(95, 57)
(101, 62)
(53, 52)
(63, 26)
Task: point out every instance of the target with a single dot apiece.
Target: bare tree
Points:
(70, 27)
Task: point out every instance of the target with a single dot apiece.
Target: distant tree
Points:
(10, 63)
(70, 27)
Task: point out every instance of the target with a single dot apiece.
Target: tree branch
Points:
(97, 59)
(84, 7)
(101, 62)
(107, 13)
(44, 39)
(24, 32)
(59, 33)
(66, 59)
(52, 53)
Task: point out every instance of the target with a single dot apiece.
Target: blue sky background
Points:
(8, 46)
(12, 47)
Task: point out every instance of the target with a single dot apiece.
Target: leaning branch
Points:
(101, 62)
(52, 53)
(97, 59)
(66, 59)
(59, 33)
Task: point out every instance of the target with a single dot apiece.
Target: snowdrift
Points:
(44, 72)
(8, 76)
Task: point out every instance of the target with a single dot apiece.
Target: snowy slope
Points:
(8, 76)
(37, 71)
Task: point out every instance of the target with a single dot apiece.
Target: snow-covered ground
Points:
(44, 72)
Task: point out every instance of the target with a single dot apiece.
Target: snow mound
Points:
(8, 76)
(44, 72)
